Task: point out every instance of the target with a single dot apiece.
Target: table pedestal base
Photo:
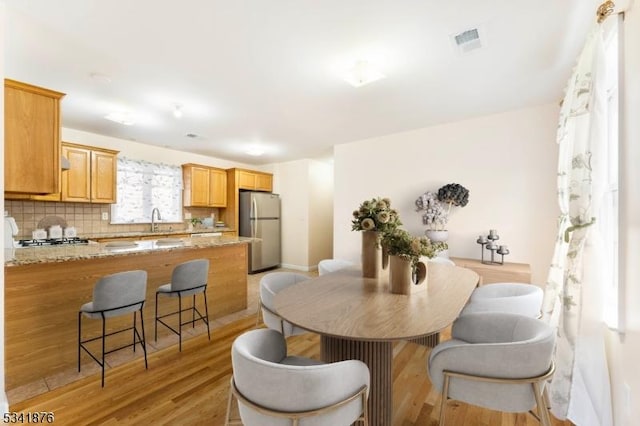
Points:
(429, 341)
(378, 356)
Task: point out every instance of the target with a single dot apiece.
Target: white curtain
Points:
(580, 388)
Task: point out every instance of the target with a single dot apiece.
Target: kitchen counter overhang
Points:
(65, 253)
(45, 287)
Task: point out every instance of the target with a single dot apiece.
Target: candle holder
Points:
(489, 243)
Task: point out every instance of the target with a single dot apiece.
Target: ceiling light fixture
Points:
(363, 73)
(177, 111)
(255, 151)
(121, 117)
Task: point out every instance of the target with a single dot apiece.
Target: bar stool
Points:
(188, 279)
(115, 295)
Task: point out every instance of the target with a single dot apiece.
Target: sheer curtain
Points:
(580, 388)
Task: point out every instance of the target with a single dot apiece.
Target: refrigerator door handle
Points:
(254, 210)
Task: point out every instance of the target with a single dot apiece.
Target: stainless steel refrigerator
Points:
(260, 219)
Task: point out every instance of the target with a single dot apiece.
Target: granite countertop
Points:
(96, 236)
(69, 252)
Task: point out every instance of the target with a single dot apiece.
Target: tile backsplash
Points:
(85, 217)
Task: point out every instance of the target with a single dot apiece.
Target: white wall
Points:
(4, 403)
(306, 193)
(320, 212)
(507, 161)
(147, 152)
(624, 350)
(292, 183)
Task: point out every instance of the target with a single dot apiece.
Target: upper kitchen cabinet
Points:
(204, 186)
(242, 179)
(254, 181)
(31, 139)
(91, 177)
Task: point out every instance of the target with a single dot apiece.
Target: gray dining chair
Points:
(515, 298)
(327, 266)
(115, 295)
(187, 279)
(273, 389)
(270, 285)
(499, 361)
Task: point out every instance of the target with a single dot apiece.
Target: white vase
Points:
(443, 236)
(434, 235)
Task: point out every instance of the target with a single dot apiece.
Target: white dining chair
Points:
(498, 361)
(270, 285)
(327, 266)
(515, 298)
(273, 389)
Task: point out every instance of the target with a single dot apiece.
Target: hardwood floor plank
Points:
(191, 387)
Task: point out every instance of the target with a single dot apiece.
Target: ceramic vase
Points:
(402, 279)
(372, 257)
(443, 236)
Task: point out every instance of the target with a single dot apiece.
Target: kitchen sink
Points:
(169, 241)
(121, 244)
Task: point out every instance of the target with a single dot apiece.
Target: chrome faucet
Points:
(154, 225)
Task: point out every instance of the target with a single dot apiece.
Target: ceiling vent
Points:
(468, 40)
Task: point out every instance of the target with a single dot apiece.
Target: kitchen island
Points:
(45, 287)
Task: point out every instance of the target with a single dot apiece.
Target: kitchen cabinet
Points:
(505, 273)
(242, 179)
(31, 139)
(204, 186)
(91, 177)
(255, 181)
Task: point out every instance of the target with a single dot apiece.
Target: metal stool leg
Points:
(144, 339)
(104, 326)
(180, 321)
(155, 323)
(206, 312)
(79, 337)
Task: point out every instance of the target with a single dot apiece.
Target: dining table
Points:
(359, 318)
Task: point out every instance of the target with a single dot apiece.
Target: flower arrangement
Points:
(375, 215)
(402, 244)
(435, 216)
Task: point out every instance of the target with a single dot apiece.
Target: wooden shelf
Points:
(508, 272)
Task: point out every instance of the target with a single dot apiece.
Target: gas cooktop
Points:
(52, 242)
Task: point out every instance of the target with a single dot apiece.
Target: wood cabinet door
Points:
(76, 182)
(246, 180)
(103, 177)
(32, 139)
(264, 182)
(217, 188)
(199, 186)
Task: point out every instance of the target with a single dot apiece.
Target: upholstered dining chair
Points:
(115, 295)
(515, 298)
(326, 266)
(498, 361)
(187, 279)
(270, 285)
(273, 389)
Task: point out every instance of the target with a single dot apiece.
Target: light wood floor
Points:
(191, 388)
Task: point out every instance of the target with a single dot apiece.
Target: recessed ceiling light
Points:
(177, 111)
(100, 78)
(363, 73)
(256, 151)
(191, 135)
(121, 117)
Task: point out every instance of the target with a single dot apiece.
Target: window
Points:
(609, 208)
(143, 186)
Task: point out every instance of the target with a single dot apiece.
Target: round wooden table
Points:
(358, 318)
